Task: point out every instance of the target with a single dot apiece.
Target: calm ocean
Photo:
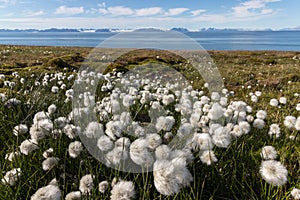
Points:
(214, 40)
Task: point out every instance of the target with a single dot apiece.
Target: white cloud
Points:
(102, 5)
(5, 3)
(266, 11)
(103, 11)
(33, 14)
(176, 11)
(253, 8)
(148, 11)
(126, 11)
(117, 10)
(69, 10)
(197, 12)
(269, 1)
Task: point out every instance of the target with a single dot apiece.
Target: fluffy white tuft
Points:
(103, 186)
(295, 193)
(268, 153)
(49, 163)
(49, 192)
(273, 172)
(104, 143)
(122, 190)
(208, 157)
(289, 121)
(20, 129)
(93, 130)
(12, 176)
(28, 146)
(86, 184)
(75, 149)
(76, 195)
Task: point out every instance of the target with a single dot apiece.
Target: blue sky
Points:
(192, 14)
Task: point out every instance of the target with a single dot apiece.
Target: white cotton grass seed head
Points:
(289, 121)
(215, 96)
(123, 190)
(116, 155)
(60, 122)
(162, 152)
(123, 142)
(12, 176)
(165, 123)
(48, 153)
(250, 118)
(208, 157)
(41, 129)
(20, 129)
(28, 146)
(164, 178)
(283, 100)
(86, 184)
(128, 100)
(298, 107)
(114, 181)
(223, 101)
(53, 182)
(103, 186)
(295, 193)
(114, 129)
(259, 123)
(54, 89)
(171, 176)
(153, 140)
(2, 97)
(203, 141)
(104, 143)
(274, 102)
(261, 114)
(75, 148)
(254, 98)
(221, 137)
(268, 153)
(49, 192)
(184, 130)
(139, 153)
(51, 109)
(258, 93)
(93, 130)
(236, 131)
(168, 99)
(39, 116)
(168, 136)
(274, 130)
(49, 163)
(75, 195)
(71, 131)
(11, 156)
(216, 112)
(273, 172)
(297, 124)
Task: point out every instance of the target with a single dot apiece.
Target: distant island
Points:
(108, 30)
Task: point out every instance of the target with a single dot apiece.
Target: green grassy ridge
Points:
(237, 67)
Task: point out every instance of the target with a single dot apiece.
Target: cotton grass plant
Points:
(224, 145)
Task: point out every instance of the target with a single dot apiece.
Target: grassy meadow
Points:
(255, 77)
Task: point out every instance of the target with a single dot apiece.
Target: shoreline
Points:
(89, 47)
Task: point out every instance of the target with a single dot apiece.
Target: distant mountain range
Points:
(107, 30)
